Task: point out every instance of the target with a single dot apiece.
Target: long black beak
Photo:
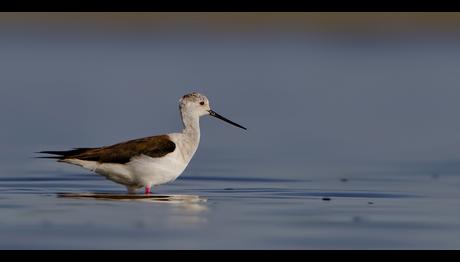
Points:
(214, 114)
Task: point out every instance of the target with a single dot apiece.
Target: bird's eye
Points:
(201, 103)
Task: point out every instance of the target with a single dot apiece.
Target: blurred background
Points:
(353, 136)
(322, 92)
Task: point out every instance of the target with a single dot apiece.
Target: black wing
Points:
(154, 146)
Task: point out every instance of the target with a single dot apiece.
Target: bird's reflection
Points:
(188, 203)
(184, 210)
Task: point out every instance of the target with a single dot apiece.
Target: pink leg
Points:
(147, 190)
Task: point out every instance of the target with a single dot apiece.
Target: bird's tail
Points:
(63, 154)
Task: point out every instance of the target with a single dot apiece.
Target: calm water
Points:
(353, 142)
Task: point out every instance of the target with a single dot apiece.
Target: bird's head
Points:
(196, 104)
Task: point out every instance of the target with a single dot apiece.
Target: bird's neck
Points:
(191, 124)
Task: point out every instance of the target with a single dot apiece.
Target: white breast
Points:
(155, 171)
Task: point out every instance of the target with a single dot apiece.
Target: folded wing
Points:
(121, 153)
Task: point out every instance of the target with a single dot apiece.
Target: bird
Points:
(149, 161)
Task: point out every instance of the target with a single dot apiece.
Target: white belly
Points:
(148, 171)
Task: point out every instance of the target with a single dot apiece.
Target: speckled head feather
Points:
(192, 105)
(193, 98)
